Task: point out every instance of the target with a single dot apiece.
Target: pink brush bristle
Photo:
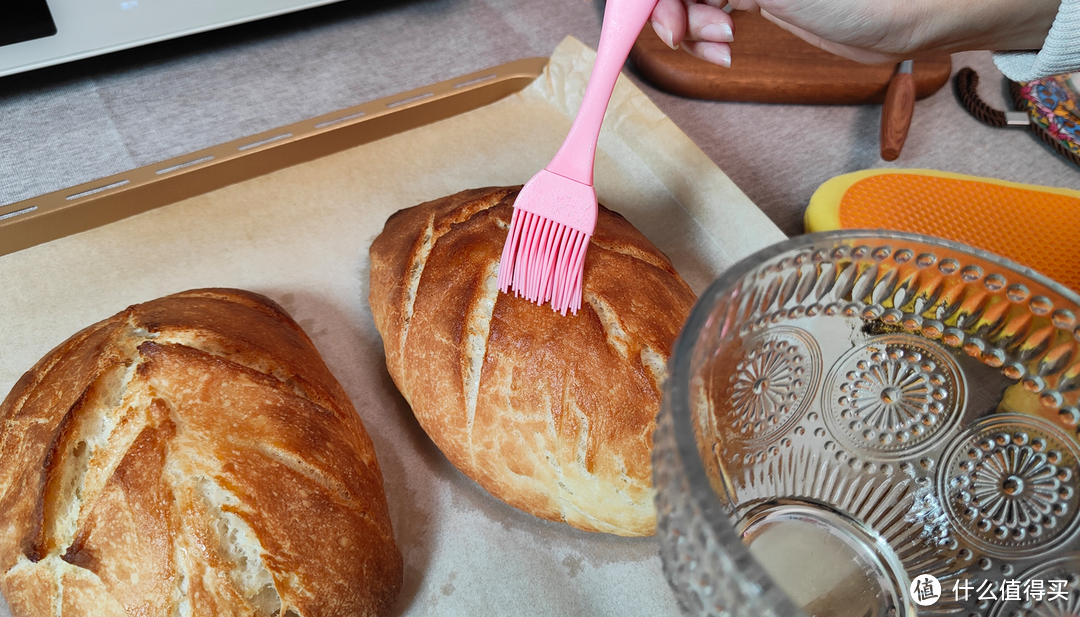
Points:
(543, 261)
(555, 212)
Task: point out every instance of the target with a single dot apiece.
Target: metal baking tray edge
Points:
(61, 213)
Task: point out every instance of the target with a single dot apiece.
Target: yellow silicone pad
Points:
(1036, 226)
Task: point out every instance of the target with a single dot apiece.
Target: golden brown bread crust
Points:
(552, 414)
(192, 455)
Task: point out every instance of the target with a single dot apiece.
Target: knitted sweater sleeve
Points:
(1060, 53)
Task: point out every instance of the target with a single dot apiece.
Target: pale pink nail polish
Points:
(665, 35)
(717, 56)
(720, 33)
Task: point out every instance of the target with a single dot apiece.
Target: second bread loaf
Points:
(552, 414)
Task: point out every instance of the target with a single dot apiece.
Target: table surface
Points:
(70, 124)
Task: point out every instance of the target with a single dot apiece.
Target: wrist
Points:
(996, 25)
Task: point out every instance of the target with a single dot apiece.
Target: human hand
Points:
(701, 28)
(878, 31)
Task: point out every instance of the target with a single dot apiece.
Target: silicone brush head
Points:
(544, 254)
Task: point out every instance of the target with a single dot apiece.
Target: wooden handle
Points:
(896, 115)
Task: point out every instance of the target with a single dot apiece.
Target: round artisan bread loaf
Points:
(554, 415)
(192, 455)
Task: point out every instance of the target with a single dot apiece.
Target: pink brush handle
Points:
(623, 21)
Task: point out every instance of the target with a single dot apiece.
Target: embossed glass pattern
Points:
(847, 411)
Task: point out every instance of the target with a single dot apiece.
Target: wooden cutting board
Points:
(771, 65)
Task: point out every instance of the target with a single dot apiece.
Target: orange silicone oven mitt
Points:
(1036, 226)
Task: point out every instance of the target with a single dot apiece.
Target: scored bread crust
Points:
(192, 455)
(554, 415)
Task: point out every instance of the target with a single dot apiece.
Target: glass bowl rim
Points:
(678, 383)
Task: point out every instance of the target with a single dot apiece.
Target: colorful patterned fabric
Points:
(1054, 104)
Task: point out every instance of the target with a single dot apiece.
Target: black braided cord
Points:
(967, 82)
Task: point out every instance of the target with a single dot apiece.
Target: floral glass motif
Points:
(1009, 481)
(893, 394)
(770, 384)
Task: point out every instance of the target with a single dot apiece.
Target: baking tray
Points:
(78, 208)
(301, 234)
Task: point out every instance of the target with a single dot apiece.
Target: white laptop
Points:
(37, 33)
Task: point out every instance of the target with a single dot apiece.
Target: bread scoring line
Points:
(415, 270)
(110, 417)
(616, 336)
(474, 349)
(98, 422)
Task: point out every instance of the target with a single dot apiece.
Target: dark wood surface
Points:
(771, 65)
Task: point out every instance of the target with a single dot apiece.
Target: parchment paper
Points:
(301, 236)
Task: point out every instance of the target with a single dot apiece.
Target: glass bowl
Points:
(867, 423)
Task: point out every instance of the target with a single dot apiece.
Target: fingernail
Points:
(665, 35)
(717, 56)
(720, 33)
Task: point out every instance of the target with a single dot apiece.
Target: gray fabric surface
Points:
(66, 125)
(779, 154)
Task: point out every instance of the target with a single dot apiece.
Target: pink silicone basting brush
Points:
(555, 212)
